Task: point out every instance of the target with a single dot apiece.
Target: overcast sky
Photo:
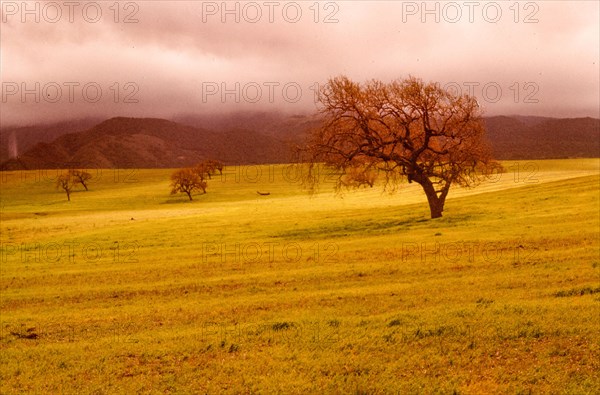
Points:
(70, 60)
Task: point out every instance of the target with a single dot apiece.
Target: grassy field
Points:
(127, 289)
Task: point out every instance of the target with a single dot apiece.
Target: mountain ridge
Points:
(256, 138)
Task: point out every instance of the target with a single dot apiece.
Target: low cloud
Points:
(166, 58)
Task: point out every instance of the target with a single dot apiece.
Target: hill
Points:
(150, 143)
(21, 139)
(252, 138)
(543, 138)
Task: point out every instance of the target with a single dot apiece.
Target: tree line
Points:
(186, 180)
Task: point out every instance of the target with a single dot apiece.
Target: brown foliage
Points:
(405, 129)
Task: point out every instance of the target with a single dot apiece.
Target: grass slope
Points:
(126, 289)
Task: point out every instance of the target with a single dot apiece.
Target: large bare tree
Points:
(405, 129)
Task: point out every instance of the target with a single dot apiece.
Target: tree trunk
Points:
(189, 195)
(436, 203)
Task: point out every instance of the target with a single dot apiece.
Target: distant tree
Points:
(203, 171)
(357, 177)
(80, 176)
(207, 168)
(187, 181)
(215, 165)
(405, 129)
(65, 182)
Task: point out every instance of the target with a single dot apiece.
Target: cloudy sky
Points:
(151, 58)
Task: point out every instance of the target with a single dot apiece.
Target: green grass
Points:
(127, 289)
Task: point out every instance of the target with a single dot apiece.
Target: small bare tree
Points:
(65, 182)
(80, 176)
(187, 181)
